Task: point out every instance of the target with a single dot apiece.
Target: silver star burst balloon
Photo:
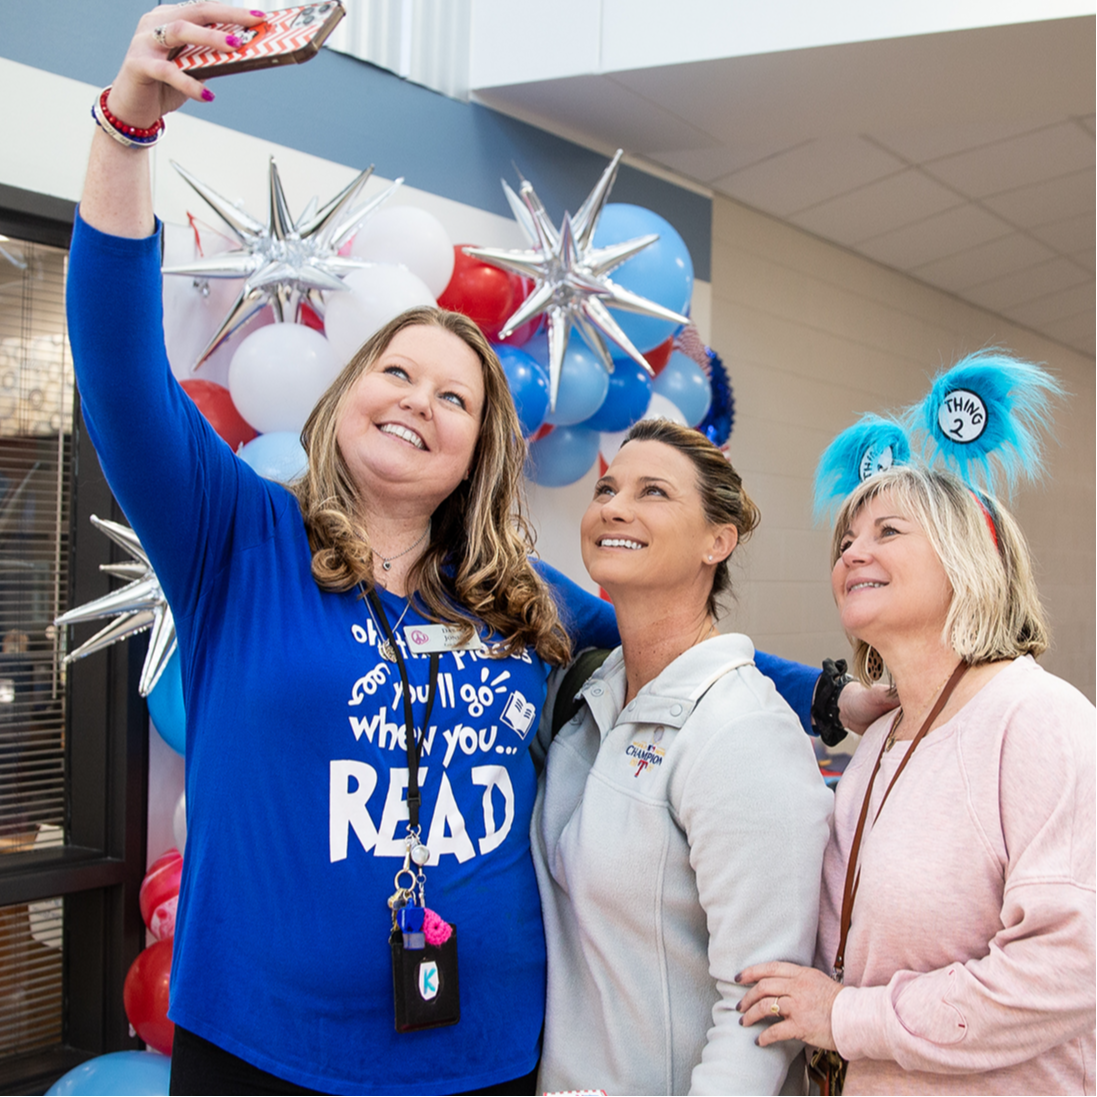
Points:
(283, 262)
(139, 605)
(571, 276)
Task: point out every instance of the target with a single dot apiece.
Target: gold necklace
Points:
(891, 739)
(384, 646)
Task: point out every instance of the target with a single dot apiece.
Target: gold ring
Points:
(160, 34)
(775, 1009)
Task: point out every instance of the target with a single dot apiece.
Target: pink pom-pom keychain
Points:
(436, 930)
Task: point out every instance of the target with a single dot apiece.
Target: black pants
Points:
(199, 1068)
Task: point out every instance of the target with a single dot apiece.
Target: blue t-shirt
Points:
(296, 772)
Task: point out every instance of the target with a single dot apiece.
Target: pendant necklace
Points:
(891, 739)
(386, 561)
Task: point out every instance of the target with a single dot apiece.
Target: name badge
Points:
(424, 639)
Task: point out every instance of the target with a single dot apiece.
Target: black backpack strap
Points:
(567, 700)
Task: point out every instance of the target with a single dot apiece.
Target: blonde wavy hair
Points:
(476, 567)
(995, 612)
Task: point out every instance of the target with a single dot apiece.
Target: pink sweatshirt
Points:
(970, 960)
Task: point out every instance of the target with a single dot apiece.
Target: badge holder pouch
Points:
(424, 958)
(425, 986)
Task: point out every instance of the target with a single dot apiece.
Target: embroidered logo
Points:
(645, 755)
(518, 713)
(428, 980)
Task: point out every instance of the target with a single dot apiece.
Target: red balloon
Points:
(215, 403)
(308, 316)
(159, 894)
(540, 432)
(659, 356)
(483, 293)
(145, 996)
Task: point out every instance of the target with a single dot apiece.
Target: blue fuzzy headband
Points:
(983, 419)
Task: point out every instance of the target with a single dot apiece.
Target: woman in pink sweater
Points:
(961, 941)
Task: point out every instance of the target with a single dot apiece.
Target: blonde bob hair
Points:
(723, 498)
(476, 566)
(995, 612)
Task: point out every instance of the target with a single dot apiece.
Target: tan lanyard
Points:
(853, 874)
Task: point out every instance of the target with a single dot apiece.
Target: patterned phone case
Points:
(287, 37)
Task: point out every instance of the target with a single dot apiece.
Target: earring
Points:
(874, 665)
(710, 557)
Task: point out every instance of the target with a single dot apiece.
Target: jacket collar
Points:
(671, 697)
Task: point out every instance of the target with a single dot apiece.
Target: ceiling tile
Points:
(808, 174)
(1053, 200)
(935, 142)
(706, 164)
(943, 234)
(1055, 306)
(971, 267)
(1028, 284)
(1017, 162)
(877, 208)
(1076, 331)
(1069, 235)
(1085, 258)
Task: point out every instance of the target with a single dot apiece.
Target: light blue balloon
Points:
(584, 381)
(277, 456)
(662, 272)
(684, 384)
(124, 1072)
(166, 706)
(563, 456)
(528, 383)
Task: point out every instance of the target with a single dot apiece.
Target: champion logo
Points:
(644, 755)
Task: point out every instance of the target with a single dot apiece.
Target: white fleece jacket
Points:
(675, 843)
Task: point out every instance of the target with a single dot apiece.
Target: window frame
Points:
(99, 871)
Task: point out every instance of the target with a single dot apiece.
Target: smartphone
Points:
(287, 37)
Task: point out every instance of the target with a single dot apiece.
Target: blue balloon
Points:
(627, 399)
(683, 383)
(563, 456)
(278, 456)
(584, 381)
(662, 272)
(138, 1072)
(166, 706)
(529, 386)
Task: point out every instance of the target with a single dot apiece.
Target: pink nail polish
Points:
(232, 40)
(207, 95)
(259, 13)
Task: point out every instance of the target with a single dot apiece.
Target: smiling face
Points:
(646, 526)
(888, 580)
(408, 427)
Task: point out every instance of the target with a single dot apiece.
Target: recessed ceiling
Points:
(963, 159)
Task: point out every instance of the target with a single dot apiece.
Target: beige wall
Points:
(812, 336)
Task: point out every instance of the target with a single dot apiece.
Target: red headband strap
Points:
(988, 516)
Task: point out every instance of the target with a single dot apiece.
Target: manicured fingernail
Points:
(739, 977)
(207, 95)
(260, 13)
(232, 40)
(740, 1020)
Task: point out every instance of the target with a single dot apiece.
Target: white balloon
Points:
(375, 295)
(179, 823)
(659, 408)
(411, 237)
(278, 373)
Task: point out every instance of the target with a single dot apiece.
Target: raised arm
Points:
(117, 196)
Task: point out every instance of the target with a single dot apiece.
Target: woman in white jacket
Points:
(679, 831)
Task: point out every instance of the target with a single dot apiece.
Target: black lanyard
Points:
(412, 740)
